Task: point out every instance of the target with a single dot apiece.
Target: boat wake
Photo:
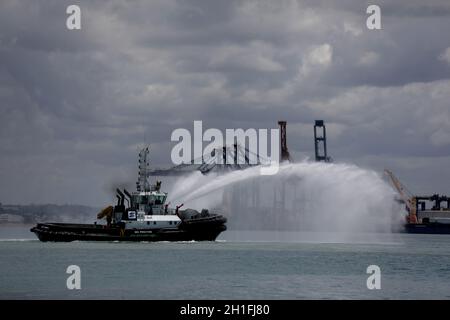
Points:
(18, 240)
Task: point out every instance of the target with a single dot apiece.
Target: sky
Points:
(77, 104)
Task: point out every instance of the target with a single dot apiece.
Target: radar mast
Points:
(142, 183)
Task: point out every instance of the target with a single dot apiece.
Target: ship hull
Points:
(192, 231)
(428, 228)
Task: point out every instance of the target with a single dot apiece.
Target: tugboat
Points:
(146, 217)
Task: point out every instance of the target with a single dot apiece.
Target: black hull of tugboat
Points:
(202, 230)
(427, 228)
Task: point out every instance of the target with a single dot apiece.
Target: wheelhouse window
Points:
(159, 199)
(144, 200)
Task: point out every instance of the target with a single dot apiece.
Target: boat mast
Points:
(142, 183)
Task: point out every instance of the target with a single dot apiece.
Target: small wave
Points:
(17, 240)
(174, 242)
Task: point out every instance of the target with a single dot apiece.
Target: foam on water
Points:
(18, 240)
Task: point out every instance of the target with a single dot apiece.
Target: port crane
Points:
(416, 205)
(406, 197)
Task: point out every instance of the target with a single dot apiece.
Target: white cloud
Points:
(352, 29)
(321, 55)
(318, 57)
(416, 113)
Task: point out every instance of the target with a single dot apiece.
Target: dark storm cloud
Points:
(77, 104)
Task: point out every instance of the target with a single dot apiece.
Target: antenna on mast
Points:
(142, 183)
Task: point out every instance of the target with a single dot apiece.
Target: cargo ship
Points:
(146, 217)
(425, 214)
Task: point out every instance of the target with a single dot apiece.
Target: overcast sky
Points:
(75, 105)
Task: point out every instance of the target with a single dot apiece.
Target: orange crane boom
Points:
(409, 200)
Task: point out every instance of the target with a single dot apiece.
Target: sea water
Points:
(239, 265)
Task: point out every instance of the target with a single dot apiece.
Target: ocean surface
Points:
(240, 265)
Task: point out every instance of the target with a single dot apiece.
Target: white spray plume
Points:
(317, 197)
